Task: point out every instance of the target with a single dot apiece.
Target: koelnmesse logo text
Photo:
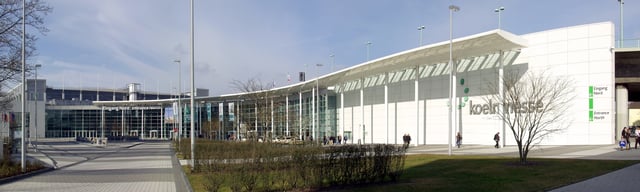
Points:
(492, 108)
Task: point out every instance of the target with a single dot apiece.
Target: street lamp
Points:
(499, 11)
(368, 43)
(316, 116)
(179, 98)
(22, 99)
(452, 77)
(193, 93)
(36, 108)
(333, 61)
(421, 28)
(621, 23)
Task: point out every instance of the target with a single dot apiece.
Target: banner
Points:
(168, 115)
(231, 112)
(221, 112)
(208, 111)
(187, 114)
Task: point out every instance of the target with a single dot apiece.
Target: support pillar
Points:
(342, 125)
(362, 108)
(501, 92)
(286, 104)
(417, 101)
(300, 115)
(622, 110)
(313, 114)
(386, 105)
(142, 128)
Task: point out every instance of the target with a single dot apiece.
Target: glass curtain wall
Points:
(118, 123)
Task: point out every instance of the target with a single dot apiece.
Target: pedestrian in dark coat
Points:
(496, 138)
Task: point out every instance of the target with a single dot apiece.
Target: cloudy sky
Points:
(97, 43)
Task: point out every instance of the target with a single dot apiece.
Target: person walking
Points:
(637, 136)
(628, 138)
(404, 141)
(458, 139)
(496, 138)
(625, 136)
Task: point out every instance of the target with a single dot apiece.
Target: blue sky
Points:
(96, 43)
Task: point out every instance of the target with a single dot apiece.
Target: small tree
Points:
(533, 107)
(258, 94)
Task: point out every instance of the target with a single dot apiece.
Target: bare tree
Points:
(533, 107)
(11, 37)
(258, 95)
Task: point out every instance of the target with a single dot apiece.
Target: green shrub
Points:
(253, 166)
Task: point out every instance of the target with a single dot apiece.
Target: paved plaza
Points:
(127, 166)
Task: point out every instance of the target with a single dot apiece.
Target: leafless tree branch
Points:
(533, 107)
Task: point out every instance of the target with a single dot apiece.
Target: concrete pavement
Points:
(120, 166)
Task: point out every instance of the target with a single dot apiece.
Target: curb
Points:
(182, 182)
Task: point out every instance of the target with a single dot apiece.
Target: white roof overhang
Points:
(466, 47)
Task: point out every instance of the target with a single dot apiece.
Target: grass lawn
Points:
(489, 173)
(480, 173)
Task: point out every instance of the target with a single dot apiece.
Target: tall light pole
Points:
(179, 98)
(316, 110)
(193, 93)
(36, 108)
(452, 77)
(24, 82)
(368, 43)
(621, 23)
(421, 28)
(499, 11)
(333, 61)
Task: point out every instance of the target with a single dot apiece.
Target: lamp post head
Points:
(38, 65)
(454, 8)
(421, 27)
(319, 65)
(176, 60)
(499, 9)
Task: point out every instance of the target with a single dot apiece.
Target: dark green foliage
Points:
(252, 166)
(10, 168)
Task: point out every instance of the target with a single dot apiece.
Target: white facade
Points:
(389, 107)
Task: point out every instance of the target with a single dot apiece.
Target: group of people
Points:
(626, 136)
(333, 140)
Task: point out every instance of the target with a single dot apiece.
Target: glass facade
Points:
(82, 121)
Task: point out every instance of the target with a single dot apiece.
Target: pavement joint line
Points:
(118, 149)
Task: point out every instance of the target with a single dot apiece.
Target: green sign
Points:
(590, 103)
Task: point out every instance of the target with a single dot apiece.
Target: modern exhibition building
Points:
(377, 101)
